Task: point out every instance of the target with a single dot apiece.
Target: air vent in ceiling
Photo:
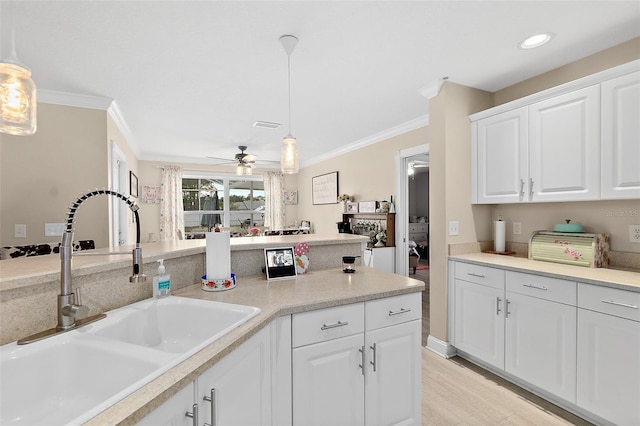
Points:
(266, 124)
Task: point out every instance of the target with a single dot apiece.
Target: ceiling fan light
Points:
(239, 170)
(17, 100)
(289, 156)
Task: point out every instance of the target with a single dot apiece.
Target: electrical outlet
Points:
(517, 228)
(634, 233)
(53, 229)
(19, 231)
(453, 228)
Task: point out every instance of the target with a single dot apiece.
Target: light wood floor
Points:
(457, 392)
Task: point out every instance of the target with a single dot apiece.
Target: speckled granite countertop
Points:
(316, 290)
(623, 279)
(16, 273)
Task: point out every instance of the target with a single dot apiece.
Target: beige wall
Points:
(44, 173)
(367, 174)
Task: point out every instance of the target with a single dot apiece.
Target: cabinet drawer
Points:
(418, 237)
(612, 301)
(492, 277)
(327, 324)
(554, 289)
(393, 310)
(418, 227)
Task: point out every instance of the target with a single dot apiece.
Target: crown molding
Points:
(121, 124)
(432, 89)
(405, 127)
(74, 100)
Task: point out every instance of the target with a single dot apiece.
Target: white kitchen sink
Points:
(71, 377)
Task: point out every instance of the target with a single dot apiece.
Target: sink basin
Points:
(72, 377)
(173, 324)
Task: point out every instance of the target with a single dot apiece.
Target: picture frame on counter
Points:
(367, 206)
(352, 207)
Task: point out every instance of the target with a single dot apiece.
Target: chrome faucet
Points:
(71, 312)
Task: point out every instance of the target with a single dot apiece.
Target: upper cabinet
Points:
(576, 142)
(621, 137)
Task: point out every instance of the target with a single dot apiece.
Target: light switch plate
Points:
(454, 228)
(19, 230)
(53, 229)
(634, 234)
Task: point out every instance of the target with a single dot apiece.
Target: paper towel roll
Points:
(499, 230)
(218, 255)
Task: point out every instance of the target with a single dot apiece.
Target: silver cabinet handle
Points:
(531, 187)
(498, 300)
(361, 365)
(338, 324)
(522, 187)
(212, 400)
(475, 275)
(373, 348)
(193, 414)
(401, 311)
(613, 302)
(506, 314)
(535, 286)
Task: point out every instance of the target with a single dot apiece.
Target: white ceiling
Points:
(191, 77)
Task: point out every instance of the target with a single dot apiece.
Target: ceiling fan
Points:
(244, 162)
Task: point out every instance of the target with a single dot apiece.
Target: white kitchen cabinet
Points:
(620, 137)
(237, 390)
(501, 157)
(540, 332)
(242, 390)
(346, 373)
(382, 258)
(609, 353)
(564, 147)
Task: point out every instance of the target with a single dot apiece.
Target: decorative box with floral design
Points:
(590, 250)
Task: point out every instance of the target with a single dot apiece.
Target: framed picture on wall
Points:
(133, 184)
(324, 188)
(352, 207)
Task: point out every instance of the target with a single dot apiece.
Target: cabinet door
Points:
(609, 367)
(564, 147)
(501, 150)
(328, 383)
(540, 343)
(242, 384)
(392, 387)
(382, 258)
(620, 137)
(479, 322)
(172, 412)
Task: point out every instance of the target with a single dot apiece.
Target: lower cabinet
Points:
(382, 258)
(358, 364)
(235, 391)
(609, 353)
(576, 344)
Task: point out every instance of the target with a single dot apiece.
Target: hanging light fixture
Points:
(17, 93)
(289, 155)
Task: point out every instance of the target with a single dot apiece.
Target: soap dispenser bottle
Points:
(161, 282)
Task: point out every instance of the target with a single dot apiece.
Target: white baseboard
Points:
(444, 349)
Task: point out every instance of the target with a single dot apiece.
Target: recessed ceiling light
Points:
(536, 41)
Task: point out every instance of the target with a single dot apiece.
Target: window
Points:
(235, 202)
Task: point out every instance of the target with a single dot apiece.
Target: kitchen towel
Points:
(218, 255)
(499, 230)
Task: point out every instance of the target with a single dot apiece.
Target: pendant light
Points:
(17, 93)
(289, 154)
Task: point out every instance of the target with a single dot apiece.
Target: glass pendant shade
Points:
(289, 156)
(17, 100)
(243, 170)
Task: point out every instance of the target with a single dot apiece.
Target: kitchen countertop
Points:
(22, 272)
(315, 290)
(622, 279)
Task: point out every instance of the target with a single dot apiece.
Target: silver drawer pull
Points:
(473, 274)
(338, 324)
(613, 302)
(401, 311)
(535, 286)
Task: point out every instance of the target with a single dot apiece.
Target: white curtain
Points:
(171, 208)
(274, 200)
